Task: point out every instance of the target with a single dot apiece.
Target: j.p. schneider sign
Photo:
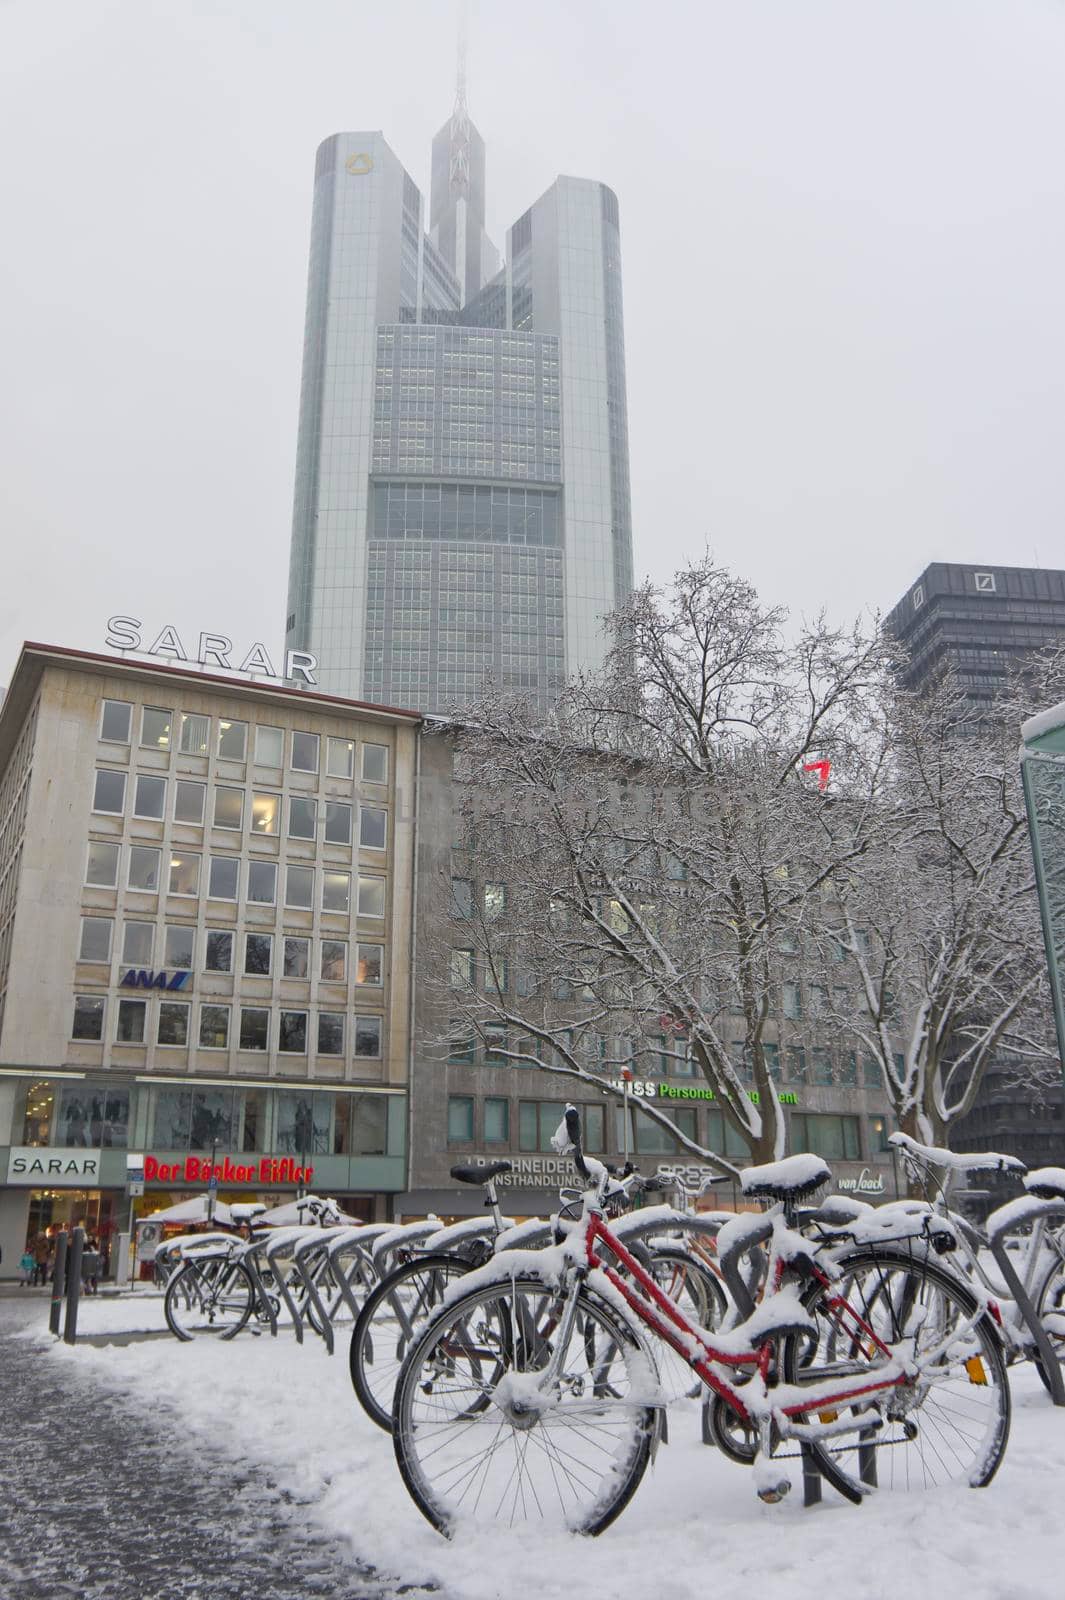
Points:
(213, 649)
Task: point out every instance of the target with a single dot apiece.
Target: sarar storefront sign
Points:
(213, 650)
(32, 1167)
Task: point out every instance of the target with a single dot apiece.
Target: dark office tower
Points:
(982, 621)
(462, 473)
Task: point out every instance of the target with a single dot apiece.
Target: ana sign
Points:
(214, 649)
(139, 978)
(53, 1169)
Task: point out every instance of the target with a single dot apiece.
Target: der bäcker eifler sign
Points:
(213, 649)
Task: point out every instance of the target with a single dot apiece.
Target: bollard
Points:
(77, 1245)
(59, 1280)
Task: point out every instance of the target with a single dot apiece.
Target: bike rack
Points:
(1028, 1208)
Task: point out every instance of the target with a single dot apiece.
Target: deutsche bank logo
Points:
(138, 978)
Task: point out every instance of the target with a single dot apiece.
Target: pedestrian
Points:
(91, 1259)
(27, 1267)
(42, 1254)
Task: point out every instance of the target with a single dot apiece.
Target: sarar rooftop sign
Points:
(212, 650)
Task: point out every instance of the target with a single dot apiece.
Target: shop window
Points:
(648, 1137)
(149, 797)
(155, 728)
(109, 792)
(299, 887)
(254, 1028)
(336, 891)
(373, 828)
(368, 1115)
(214, 1027)
(340, 758)
(330, 1033)
(370, 964)
(229, 808)
(496, 1121)
(460, 1119)
(173, 1025)
(171, 1117)
(538, 1120)
(189, 801)
(143, 869)
(262, 883)
(835, 1138)
(38, 1112)
(371, 897)
(211, 1119)
(265, 813)
(251, 1107)
(218, 951)
(303, 1122)
(222, 877)
(92, 1115)
(95, 939)
(334, 961)
(296, 958)
(375, 763)
(195, 734)
(722, 1137)
(270, 747)
(101, 868)
(137, 941)
(302, 817)
(292, 1033)
(115, 721)
(337, 822)
(305, 752)
(232, 740)
(88, 1023)
(368, 1036)
(184, 873)
(258, 954)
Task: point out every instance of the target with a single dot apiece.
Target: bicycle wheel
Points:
(214, 1296)
(478, 1442)
(949, 1423)
(693, 1288)
(1050, 1309)
(382, 1333)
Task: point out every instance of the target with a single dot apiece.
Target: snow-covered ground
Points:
(693, 1525)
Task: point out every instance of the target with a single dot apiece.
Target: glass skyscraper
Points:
(462, 475)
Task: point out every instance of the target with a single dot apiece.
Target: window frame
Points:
(97, 1004)
(144, 850)
(108, 738)
(149, 778)
(226, 725)
(178, 858)
(154, 744)
(190, 783)
(108, 811)
(228, 899)
(269, 866)
(214, 1005)
(105, 960)
(300, 733)
(172, 1007)
(258, 933)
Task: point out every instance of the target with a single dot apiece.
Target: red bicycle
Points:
(532, 1394)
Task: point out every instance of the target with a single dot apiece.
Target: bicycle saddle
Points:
(790, 1179)
(479, 1171)
(1046, 1183)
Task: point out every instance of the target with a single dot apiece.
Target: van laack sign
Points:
(267, 1170)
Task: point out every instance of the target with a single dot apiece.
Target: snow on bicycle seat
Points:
(479, 1171)
(1048, 1183)
(790, 1179)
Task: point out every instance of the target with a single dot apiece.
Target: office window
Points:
(178, 944)
(143, 869)
(88, 1020)
(95, 939)
(131, 1019)
(265, 812)
(189, 802)
(821, 1065)
(218, 951)
(367, 1036)
(149, 797)
(296, 959)
(817, 994)
(155, 728)
(336, 891)
(879, 1133)
(232, 739)
(340, 758)
(101, 867)
(495, 1043)
(772, 1061)
(649, 1137)
(373, 827)
(262, 883)
(375, 763)
(496, 1121)
(214, 1027)
(137, 941)
(229, 808)
(872, 1077)
(330, 1033)
(184, 873)
(292, 1033)
(460, 1119)
(337, 822)
(258, 954)
(302, 817)
(115, 721)
(461, 969)
(792, 1001)
(109, 792)
(254, 1028)
(222, 877)
(835, 1138)
(299, 887)
(334, 961)
(796, 1060)
(270, 747)
(371, 896)
(462, 899)
(848, 1071)
(495, 900)
(462, 1043)
(195, 734)
(173, 1024)
(305, 752)
(370, 964)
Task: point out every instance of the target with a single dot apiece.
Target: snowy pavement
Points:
(260, 1445)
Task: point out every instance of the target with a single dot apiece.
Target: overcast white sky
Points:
(843, 234)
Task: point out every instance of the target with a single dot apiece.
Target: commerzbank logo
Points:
(359, 164)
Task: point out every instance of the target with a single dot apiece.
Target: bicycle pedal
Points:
(774, 1493)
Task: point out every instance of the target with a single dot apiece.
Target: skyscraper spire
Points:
(459, 154)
